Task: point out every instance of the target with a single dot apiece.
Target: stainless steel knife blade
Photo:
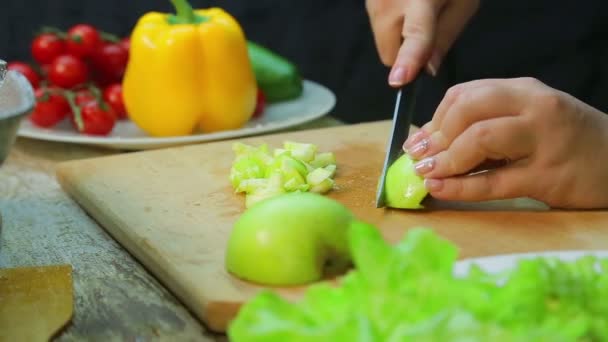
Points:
(402, 120)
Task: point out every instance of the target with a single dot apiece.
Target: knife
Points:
(402, 120)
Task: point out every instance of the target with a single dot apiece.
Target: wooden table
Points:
(115, 297)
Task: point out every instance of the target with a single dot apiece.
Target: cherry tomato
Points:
(68, 71)
(27, 71)
(83, 96)
(46, 70)
(125, 43)
(82, 40)
(51, 107)
(46, 47)
(97, 118)
(260, 104)
(110, 61)
(113, 96)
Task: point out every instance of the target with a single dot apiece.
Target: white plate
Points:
(315, 101)
(500, 263)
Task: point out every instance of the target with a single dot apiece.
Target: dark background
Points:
(563, 43)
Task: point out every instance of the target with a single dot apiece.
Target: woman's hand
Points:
(556, 145)
(428, 29)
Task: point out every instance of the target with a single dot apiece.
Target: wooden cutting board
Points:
(35, 302)
(173, 209)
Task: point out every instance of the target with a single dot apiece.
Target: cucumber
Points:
(277, 77)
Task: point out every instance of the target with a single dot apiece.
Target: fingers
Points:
(463, 107)
(508, 182)
(460, 93)
(450, 24)
(414, 139)
(476, 122)
(428, 29)
(481, 103)
(497, 139)
(419, 25)
(387, 37)
(386, 23)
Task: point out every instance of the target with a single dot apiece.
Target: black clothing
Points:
(563, 43)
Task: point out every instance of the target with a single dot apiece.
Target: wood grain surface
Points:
(173, 209)
(115, 298)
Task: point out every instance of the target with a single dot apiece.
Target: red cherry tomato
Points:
(110, 61)
(51, 107)
(27, 71)
(260, 104)
(125, 43)
(82, 40)
(97, 119)
(46, 70)
(46, 47)
(113, 96)
(83, 96)
(68, 71)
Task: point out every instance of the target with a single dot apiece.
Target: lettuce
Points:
(409, 292)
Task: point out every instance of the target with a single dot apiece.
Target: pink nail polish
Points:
(433, 65)
(418, 149)
(412, 139)
(397, 76)
(425, 165)
(433, 184)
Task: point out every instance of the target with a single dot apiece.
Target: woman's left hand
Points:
(555, 145)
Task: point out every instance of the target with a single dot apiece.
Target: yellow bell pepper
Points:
(189, 72)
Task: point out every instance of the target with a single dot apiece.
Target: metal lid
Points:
(2, 70)
(16, 95)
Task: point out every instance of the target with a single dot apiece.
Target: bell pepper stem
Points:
(184, 11)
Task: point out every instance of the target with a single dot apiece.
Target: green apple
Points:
(290, 239)
(297, 167)
(404, 188)
(292, 170)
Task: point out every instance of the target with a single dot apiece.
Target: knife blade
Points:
(402, 120)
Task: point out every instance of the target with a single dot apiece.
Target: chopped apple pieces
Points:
(296, 167)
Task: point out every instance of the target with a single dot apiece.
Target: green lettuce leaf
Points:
(409, 292)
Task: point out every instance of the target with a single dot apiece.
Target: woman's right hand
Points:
(428, 29)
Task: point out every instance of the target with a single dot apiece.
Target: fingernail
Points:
(397, 76)
(424, 166)
(432, 66)
(418, 149)
(412, 139)
(433, 184)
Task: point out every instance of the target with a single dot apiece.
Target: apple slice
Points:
(301, 151)
(301, 169)
(261, 191)
(323, 159)
(320, 180)
(250, 163)
(290, 239)
(404, 187)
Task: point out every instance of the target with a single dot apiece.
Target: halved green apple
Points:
(404, 188)
(290, 239)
